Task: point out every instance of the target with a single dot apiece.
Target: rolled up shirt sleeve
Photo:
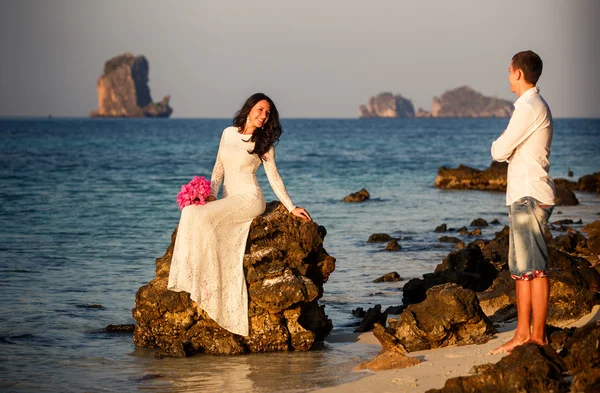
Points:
(519, 129)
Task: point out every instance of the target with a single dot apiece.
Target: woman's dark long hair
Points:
(266, 136)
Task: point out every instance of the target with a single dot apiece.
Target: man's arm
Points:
(518, 130)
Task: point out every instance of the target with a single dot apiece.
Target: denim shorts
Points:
(527, 251)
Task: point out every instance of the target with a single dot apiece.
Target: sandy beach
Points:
(438, 365)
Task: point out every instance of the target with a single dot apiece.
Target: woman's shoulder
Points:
(230, 130)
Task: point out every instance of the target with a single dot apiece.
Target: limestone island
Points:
(123, 90)
(460, 102)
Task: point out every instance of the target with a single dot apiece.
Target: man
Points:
(530, 197)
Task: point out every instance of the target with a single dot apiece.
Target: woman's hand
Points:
(210, 198)
(302, 213)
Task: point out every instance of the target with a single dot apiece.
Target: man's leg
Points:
(524, 306)
(540, 293)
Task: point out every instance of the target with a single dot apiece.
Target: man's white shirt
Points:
(525, 145)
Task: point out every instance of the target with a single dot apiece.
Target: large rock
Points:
(570, 364)
(466, 102)
(123, 90)
(285, 266)
(467, 267)
(387, 105)
(467, 178)
(450, 315)
(564, 196)
(528, 368)
(587, 183)
(359, 196)
(573, 286)
(593, 242)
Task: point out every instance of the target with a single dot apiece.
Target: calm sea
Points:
(87, 205)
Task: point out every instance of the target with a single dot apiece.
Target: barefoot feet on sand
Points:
(509, 346)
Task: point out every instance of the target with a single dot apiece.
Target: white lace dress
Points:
(211, 239)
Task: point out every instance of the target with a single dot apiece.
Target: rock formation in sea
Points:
(123, 90)
(285, 266)
(466, 102)
(494, 179)
(459, 102)
(387, 105)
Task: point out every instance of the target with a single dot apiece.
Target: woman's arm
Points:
(278, 187)
(217, 174)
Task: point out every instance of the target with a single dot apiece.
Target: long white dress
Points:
(211, 239)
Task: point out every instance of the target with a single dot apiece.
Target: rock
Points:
(387, 105)
(466, 178)
(390, 277)
(593, 242)
(495, 221)
(388, 360)
(393, 246)
(466, 102)
(123, 90)
(573, 286)
(479, 222)
(463, 230)
(589, 183)
(564, 196)
(569, 243)
(359, 196)
(475, 232)
(449, 315)
(528, 368)
(285, 266)
(562, 222)
(499, 301)
(379, 238)
(422, 113)
(372, 316)
(448, 239)
(358, 312)
(97, 306)
(125, 328)
(466, 267)
(441, 228)
(394, 310)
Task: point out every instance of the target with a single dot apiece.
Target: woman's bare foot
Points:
(509, 346)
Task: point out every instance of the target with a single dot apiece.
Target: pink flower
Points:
(194, 193)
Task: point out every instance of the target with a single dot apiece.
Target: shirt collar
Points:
(533, 90)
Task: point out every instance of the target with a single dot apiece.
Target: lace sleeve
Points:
(217, 173)
(275, 180)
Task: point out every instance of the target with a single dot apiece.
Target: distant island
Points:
(460, 102)
(123, 90)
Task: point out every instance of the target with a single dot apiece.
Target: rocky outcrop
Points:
(460, 102)
(492, 179)
(387, 105)
(467, 178)
(570, 364)
(468, 268)
(587, 183)
(449, 315)
(466, 102)
(528, 368)
(123, 90)
(573, 281)
(285, 266)
(358, 196)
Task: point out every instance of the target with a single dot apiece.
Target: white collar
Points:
(533, 90)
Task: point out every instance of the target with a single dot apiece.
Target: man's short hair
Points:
(530, 64)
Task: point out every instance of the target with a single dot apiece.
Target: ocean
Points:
(86, 205)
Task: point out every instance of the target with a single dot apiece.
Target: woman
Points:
(209, 249)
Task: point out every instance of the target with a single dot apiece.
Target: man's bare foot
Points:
(509, 346)
(541, 343)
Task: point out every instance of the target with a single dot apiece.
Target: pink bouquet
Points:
(194, 193)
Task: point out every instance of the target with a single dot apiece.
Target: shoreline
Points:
(438, 365)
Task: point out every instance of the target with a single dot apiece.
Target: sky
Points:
(314, 58)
